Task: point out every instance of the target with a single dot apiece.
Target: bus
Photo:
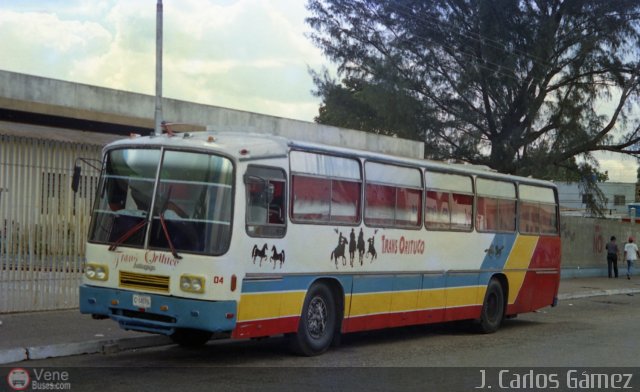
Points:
(222, 234)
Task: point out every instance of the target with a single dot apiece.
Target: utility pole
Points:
(158, 113)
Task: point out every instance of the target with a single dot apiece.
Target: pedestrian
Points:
(631, 255)
(612, 256)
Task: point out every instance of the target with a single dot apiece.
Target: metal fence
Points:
(43, 223)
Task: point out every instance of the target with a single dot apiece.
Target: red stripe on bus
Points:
(267, 327)
(387, 320)
(276, 326)
(540, 288)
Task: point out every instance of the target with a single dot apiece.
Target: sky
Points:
(251, 55)
(244, 54)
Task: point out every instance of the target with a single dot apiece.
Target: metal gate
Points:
(43, 223)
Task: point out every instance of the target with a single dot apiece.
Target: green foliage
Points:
(518, 85)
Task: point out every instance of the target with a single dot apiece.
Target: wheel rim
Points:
(317, 318)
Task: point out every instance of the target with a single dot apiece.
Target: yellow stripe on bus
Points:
(464, 296)
(412, 300)
(370, 303)
(270, 305)
(432, 299)
(519, 259)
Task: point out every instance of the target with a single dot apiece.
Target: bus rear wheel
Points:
(190, 337)
(317, 325)
(492, 308)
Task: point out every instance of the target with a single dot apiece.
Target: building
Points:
(573, 200)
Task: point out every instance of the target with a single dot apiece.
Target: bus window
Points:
(449, 202)
(548, 219)
(461, 211)
(393, 196)
(125, 196)
(266, 205)
(529, 217)
(438, 215)
(380, 205)
(324, 188)
(193, 204)
(496, 206)
(538, 210)
(311, 198)
(345, 201)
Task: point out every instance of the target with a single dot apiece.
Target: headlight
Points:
(192, 284)
(96, 271)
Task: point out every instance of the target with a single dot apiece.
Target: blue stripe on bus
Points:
(496, 255)
(285, 283)
(361, 284)
(289, 283)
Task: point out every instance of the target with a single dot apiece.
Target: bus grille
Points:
(145, 282)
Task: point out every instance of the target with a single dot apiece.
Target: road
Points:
(591, 332)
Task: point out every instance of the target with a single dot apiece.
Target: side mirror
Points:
(75, 181)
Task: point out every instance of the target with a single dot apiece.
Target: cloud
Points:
(49, 44)
(244, 54)
(621, 168)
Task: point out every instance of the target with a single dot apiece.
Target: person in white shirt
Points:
(631, 254)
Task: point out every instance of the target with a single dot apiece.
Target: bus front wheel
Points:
(190, 337)
(317, 325)
(492, 308)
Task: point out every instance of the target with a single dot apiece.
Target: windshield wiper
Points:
(128, 234)
(166, 235)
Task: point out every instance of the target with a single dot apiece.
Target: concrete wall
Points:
(583, 241)
(60, 98)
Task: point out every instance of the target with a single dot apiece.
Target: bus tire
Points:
(492, 312)
(317, 325)
(192, 338)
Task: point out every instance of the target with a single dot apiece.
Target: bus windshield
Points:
(192, 203)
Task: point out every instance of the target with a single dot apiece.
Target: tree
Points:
(529, 87)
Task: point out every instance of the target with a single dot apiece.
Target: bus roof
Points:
(252, 146)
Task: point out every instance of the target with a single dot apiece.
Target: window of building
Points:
(619, 200)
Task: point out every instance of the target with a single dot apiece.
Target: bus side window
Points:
(276, 205)
(266, 203)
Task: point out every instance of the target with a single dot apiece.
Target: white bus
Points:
(250, 236)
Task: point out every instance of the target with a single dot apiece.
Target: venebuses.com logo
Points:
(20, 379)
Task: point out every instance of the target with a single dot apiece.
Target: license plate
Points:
(141, 301)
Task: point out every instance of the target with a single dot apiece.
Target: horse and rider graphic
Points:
(354, 245)
(365, 247)
(338, 252)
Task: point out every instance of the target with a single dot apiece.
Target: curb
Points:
(78, 348)
(597, 293)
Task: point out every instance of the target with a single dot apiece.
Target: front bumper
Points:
(212, 316)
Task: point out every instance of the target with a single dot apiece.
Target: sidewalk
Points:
(39, 335)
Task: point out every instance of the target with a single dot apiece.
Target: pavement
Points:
(39, 335)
